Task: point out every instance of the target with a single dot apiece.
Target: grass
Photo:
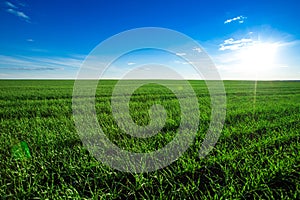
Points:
(257, 155)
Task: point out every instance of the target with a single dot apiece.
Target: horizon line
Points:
(115, 79)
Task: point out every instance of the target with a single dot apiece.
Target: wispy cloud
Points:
(32, 68)
(183, 62)
(11, 5)
(231, 44)
(15, 67)
(3, 75)
(12, 9)
(180, 54)
(197, 49)
(30, 40)
(38, 63)
(239, 19)
(131, 63)
(237, 44)
(19, 14)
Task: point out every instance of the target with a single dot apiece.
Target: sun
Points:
(258, 56)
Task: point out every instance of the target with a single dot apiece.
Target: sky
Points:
(246, 40)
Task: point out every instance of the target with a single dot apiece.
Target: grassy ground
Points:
(257, 155)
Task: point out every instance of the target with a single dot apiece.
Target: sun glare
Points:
(258, 57)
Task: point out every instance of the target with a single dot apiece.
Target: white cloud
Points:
(183, 62)
(11, 5)
(30, 40)
(197, 49)
(3, 74)
(19, 14)
(231, 44)
(180, 54)
(38, 63)
(240, 19)
(131, 63)
(13, 9)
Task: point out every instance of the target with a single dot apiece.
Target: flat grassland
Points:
(257, 154)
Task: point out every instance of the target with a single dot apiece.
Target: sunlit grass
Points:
(257, 155)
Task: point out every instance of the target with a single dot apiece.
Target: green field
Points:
(257, 155)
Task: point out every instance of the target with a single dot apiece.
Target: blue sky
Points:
(245, 39)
